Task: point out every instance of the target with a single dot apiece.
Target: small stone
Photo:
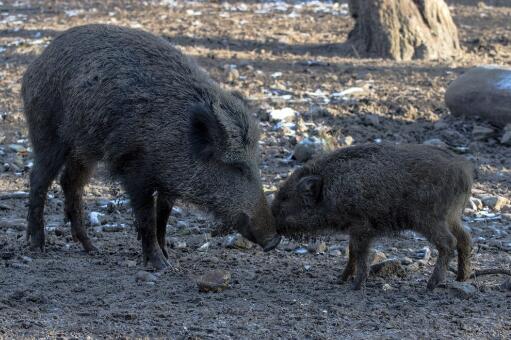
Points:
(347, 141)
(113, 228)
(376, 256)
(214, 281)
(495, 202)
(177, 243)
(335, 252)
(317, 247)
(435, 142)
(506, 285)
(406, 261)
(481, 133)
(17, 148)
(18, 224)
(301, 250)
(386, 287)
(388, 268)
(317, 111)
(475, 203)
(143, 276)
(286, 114)
(5, 207)
(233, 75)
(506, 138)
(96, 218)
(204, 247)
(373, 120)
(26, 259)
(424, 254)
(308, 147)
(462, 290)
(237, 241)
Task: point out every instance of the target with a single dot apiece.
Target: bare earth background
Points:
(280, 55)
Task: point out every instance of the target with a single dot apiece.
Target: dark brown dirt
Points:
(66, 293)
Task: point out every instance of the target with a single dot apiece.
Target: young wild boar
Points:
(161, 124)
(376, 190)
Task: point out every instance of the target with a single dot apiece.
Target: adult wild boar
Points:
(375, 190)
(161, 124)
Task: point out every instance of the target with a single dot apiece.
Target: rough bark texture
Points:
(404, 29)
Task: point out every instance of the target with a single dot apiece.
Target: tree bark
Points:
(404, 29)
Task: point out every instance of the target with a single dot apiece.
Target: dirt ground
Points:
(280, 55)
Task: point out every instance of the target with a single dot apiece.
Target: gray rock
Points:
(17, 148)
(482, 92)
(506, 138)
(506, 285)
(19, 224)
(308, 147)
(482, 133)
(318, 247)
(423, 254)
(143, 276)
(236, 241)
(388, 268)
(435, 142)
(475, 203)
(406, 261)
(214, 281)
(286, 114)
(335, 252)
(495, 202)
(376, 256)
(462, 290)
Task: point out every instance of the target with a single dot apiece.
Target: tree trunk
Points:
(403, 29)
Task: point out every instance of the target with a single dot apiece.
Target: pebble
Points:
(131, 263)
(347, 141)
(386, 287)
(143, 276)
(286, 114)
(18, 224)
(17, 148)
(506, 285)
(177, 244)
(495, 202)
(388, 268)
(435, 142)
(95, 218)
(423, 254)
(318, 247)
(26, 259)
(335, 252)
(237, 241)
(475, 203)
(506, 138)
(308, 147)
(214, 281)
(406, 261)
(376, 256)
(462, 290)
(113, 228)
(301, 250)
(204, 247)
(481, 133)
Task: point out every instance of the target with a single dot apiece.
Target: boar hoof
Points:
(157, 260)
(36, 240)
(357, 285)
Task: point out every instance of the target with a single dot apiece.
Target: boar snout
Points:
(260, 228)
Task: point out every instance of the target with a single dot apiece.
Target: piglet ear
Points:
(207, 134)
(310, 187)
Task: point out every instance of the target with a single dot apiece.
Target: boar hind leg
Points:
(47, 163)
(359, 247)
(445, 242)
(349, 270)
(73, 179)
(143, 204)
(464, 248)
(163, 208)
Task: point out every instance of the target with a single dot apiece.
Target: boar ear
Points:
(207, 135)
(310, 187)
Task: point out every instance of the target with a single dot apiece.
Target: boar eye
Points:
(241, 168)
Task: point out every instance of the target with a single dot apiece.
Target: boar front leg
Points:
(163, 209)
(143, 204)
(360, 242)
(349, 270)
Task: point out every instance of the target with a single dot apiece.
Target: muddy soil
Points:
(280, 55)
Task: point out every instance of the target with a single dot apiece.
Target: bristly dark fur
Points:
(101, 92)
(373, 190)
